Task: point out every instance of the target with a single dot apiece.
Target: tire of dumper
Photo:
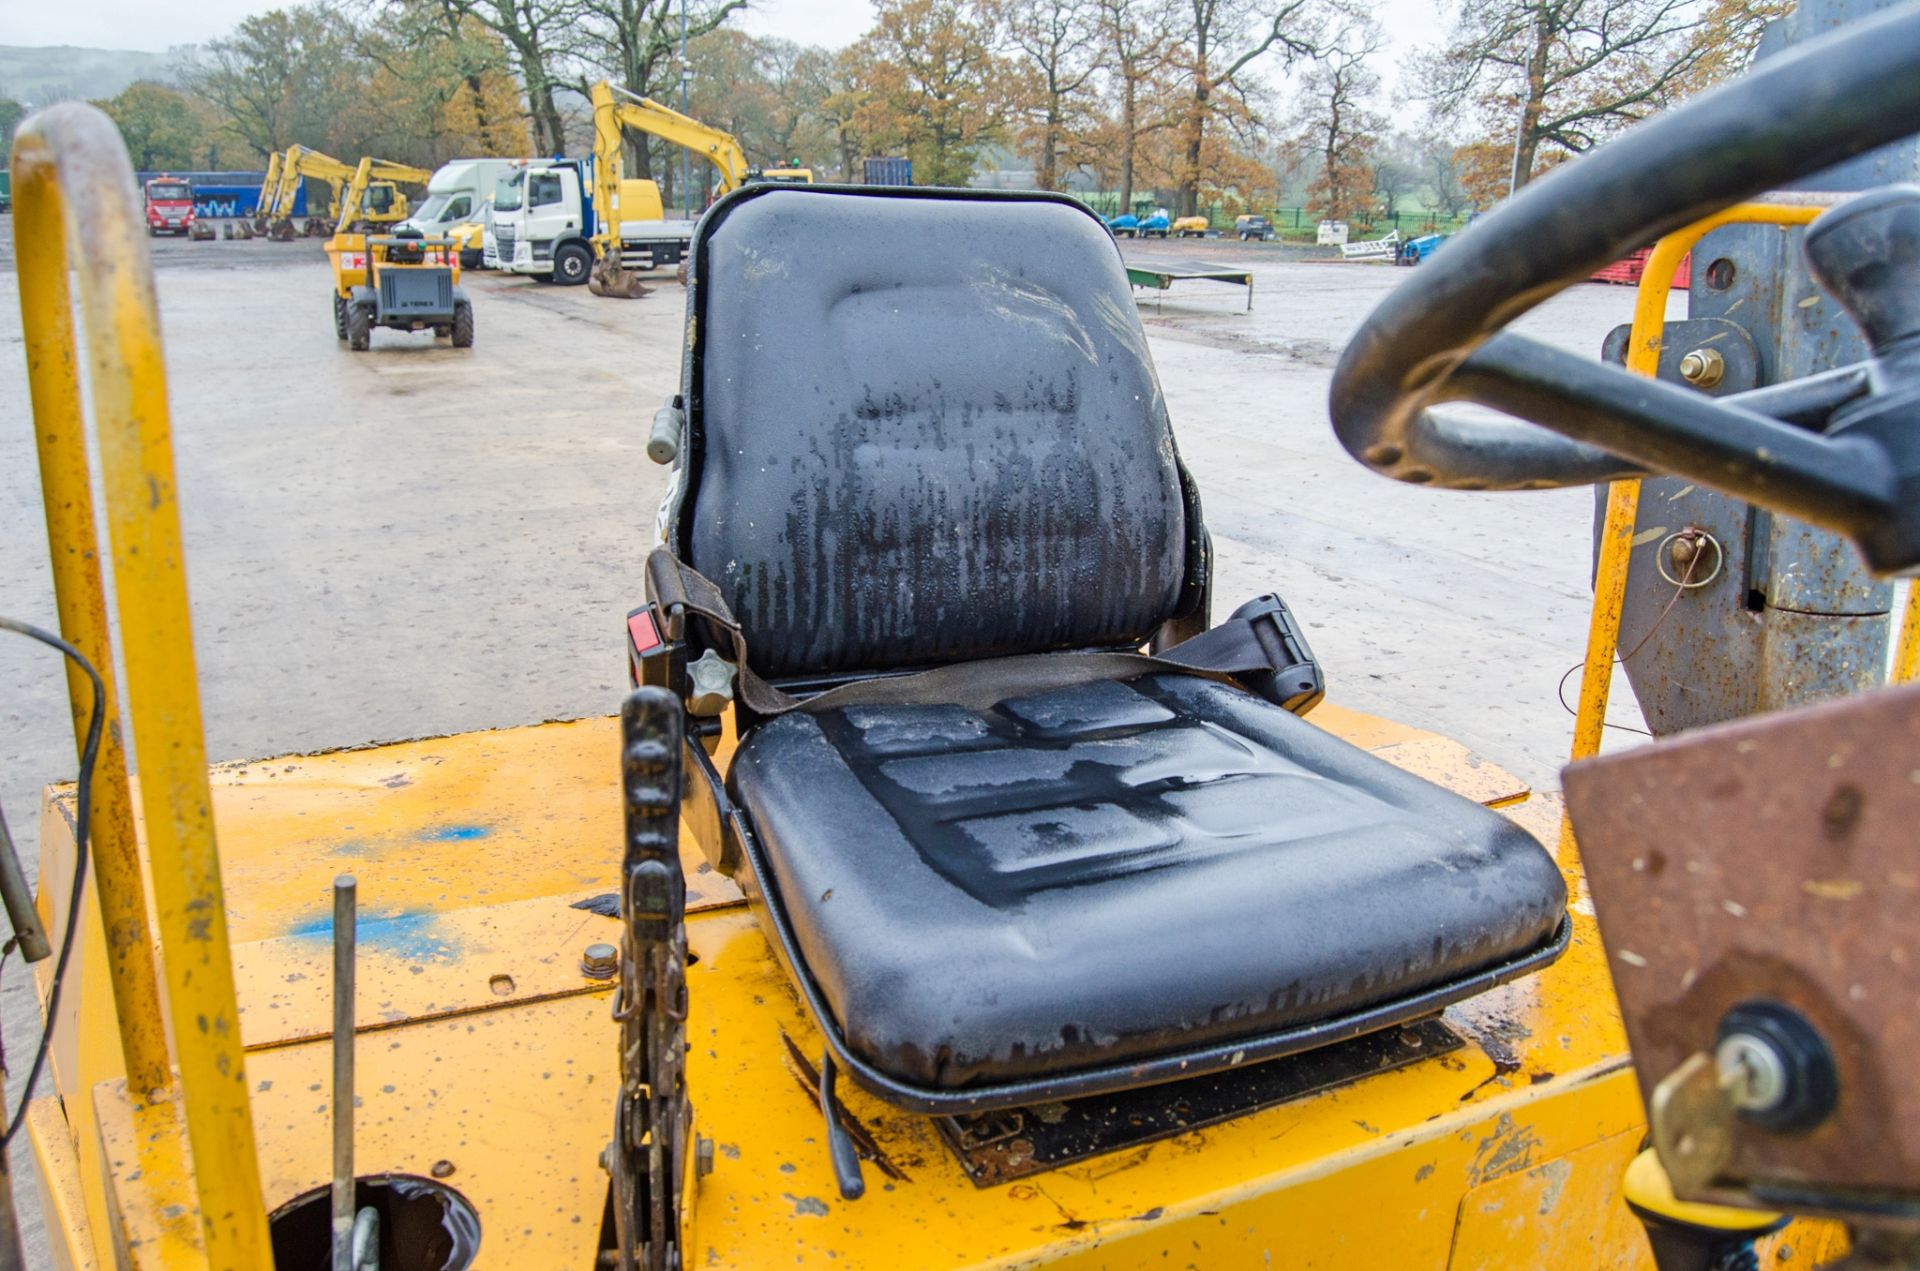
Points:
(463, 325)
(339, 315)
(571, 264)
(470, 259)
(359, 328)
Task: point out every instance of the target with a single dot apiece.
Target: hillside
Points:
(39, 76)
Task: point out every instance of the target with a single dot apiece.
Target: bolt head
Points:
(600, 961)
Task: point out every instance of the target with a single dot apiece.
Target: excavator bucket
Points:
(319, 227)
(281, 231)
(202, 232)
(610, 278)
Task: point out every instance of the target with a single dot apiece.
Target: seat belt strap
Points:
(1260, 647)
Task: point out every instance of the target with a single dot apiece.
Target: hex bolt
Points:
(1703, 368)
(1752, 1072)
(600, 962)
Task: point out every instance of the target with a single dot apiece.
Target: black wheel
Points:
(571, 264)
(1245, 237)
(470, 259)
(462, 325)
(339, 315)
(359, 328)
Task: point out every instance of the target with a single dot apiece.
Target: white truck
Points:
(458, 203)
(544, 220)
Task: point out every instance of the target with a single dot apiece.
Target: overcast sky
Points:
(155, 27)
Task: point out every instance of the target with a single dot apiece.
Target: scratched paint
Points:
(456, 833)
(369, 847)
(408, 936)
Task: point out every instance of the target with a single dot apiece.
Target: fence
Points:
(1289, 219)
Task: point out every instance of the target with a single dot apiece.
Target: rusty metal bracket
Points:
(1764, 870)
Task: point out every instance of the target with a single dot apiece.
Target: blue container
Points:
(226, 195)
(889, 172)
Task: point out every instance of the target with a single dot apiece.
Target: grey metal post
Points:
(686, 76)
(344, 918)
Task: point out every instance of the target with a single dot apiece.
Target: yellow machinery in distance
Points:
(616, 112)
(380, 201)
(356, 213)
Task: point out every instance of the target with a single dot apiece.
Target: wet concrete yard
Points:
(420, 540)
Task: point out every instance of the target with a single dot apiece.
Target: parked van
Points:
(459, 204)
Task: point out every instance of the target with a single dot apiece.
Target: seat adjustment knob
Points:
(710, 684)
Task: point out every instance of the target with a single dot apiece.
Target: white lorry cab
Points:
(459, 203)
(544, 220)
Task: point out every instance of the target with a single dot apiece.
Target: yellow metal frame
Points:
(1623, 497)
(74, 185)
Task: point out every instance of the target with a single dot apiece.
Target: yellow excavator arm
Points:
(612, 117)
(269, 186)
(369, 173)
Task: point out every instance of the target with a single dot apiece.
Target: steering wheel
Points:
(1840, 449)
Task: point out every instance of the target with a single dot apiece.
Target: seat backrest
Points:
(923, 428)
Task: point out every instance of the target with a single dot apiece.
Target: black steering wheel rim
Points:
(1438, 337)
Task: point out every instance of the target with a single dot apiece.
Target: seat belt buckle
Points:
(1292, 679)
(653, 656)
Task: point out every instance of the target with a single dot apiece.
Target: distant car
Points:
(1191, 227)
(1257, 228)
(1127, 225)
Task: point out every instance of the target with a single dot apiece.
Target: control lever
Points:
(840, 1146)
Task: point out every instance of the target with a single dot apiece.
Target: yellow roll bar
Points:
(74, 184)
(1623, 497)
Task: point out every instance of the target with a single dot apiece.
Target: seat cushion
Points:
(928, 431)
(1112, 870)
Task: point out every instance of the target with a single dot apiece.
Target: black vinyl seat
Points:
(923, 431)
(1111, 870)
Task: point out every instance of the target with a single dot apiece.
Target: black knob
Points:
(1866, 253)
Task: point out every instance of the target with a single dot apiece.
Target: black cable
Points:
(89, 751)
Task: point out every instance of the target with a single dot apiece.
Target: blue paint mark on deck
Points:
(456, 833)
(406, 937)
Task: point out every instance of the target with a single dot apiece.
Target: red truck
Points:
(169, 206)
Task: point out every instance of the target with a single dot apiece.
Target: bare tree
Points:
(1338, 131)
(538, 33)
(1440, 167)
(1140, 36)
(634, 41)
(1397, 170)
(1567, 74)
(1058, 44)
(281, 77)
(1222, 39)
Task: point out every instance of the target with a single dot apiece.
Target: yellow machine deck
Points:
(486, 1056)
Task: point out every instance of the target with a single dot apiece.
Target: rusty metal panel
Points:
(1773, 859)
